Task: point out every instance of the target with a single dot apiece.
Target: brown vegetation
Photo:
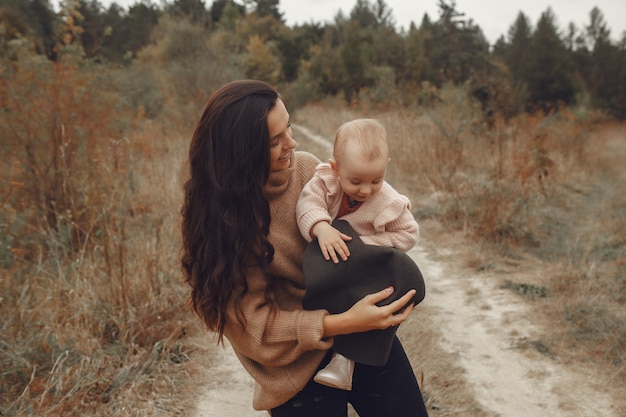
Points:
(96, 315)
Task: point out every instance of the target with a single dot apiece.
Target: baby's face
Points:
(360, 177)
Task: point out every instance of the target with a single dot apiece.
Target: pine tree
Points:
(604, 74)
(456, 47)
(550, 73)
(193, 10)
(516, 56)
(415, 52)
(264, 8)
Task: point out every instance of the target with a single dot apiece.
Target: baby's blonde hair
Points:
(369, 134)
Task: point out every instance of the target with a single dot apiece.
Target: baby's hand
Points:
(331, 241)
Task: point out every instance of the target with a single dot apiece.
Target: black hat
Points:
(337, 287)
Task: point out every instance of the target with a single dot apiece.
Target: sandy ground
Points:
(484, 327)
(229, 394)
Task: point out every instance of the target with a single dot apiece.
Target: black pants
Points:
(377, 391)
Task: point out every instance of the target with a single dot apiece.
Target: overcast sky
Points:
(493, 16)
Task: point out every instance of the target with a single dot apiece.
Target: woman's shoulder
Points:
(305, 164)
(306, 159)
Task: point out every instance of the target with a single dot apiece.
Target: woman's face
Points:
(281, 142)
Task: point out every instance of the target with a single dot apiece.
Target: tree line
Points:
(535, 67)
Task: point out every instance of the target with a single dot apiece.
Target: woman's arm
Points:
(273, 334)
(277, 337)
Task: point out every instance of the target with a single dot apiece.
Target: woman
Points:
(242, 256)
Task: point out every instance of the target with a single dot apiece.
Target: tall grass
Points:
(95, 320)
(488, 181)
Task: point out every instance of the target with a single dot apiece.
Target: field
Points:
(97, 320)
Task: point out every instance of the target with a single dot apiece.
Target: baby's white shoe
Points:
(337, 374)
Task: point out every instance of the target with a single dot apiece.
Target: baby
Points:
(352, 186)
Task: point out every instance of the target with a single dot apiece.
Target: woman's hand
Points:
(366, 315)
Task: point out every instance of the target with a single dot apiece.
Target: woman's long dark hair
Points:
(225, 214)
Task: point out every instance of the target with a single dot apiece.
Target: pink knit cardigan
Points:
(384, 219)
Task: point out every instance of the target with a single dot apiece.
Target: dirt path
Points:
(229, 391)
(488, 330)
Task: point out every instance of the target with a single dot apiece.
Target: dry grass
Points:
(103, 328)
(96, 320)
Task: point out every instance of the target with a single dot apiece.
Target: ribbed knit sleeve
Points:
(385, 219)
(274, 335)
(317, 200)
(395, 225)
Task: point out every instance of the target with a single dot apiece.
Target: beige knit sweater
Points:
(281, 347)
